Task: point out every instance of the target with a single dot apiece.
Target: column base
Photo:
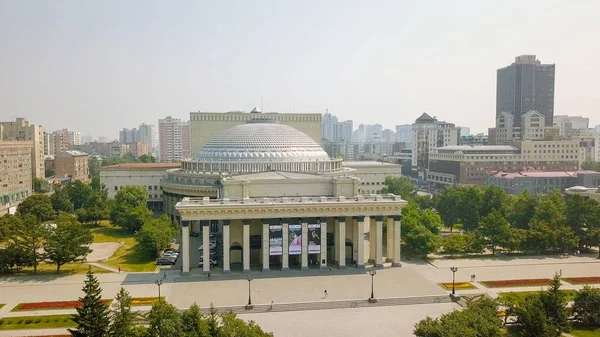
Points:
(304, 268)
(228, 271)
(324, 268)
(185, 273)
(360, 266)
(285, 269)
(371, 261)
(372, 300)
(266, 270)
(249, 307)
(342, 266)
(396, 264)
(378, 265)
(389, 260)
(246, 270)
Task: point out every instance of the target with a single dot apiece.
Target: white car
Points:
(211, 245)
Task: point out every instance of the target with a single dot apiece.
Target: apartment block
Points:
(15, 174)
(534, 181)
(22, 130)
(73, 164)
(174, 139)
(428, 134)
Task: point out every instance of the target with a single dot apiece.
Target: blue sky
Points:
(99, 66)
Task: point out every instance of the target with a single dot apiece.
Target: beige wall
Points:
(15, 171)
(206, 125)
(271, 188)
(373, 174)
(149, 179)
(66, 164)
(21, 130)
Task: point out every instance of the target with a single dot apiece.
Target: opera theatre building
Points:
(263, 196)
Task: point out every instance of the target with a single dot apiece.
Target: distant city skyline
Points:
(98, 67)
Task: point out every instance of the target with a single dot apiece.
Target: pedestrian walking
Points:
(165, 276)
(325, 292)
(119, 269)
(209, 275)
(271, 306)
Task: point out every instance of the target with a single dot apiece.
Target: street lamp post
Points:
(372, 273)
(453, 269)
(249, 279)
(158, 283)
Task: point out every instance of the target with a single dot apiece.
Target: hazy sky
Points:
(99, 66)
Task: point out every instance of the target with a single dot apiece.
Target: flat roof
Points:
(478, 148)
(141, 166)
(367, 163)
(276, 175)
(540, 174)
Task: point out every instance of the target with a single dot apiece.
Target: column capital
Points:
(185, 223)
(226, 222)
(322, 219)
(341, 218)
(360, 218)
(246, 222)
(378, 218)
(204, 223)
(397, 217)
(305, 220)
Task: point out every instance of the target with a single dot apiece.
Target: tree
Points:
(38, 205)
(555, 304)
(532, 318)
(582, 215)
(94, 209)
(233, 326)
(479, 319)
(448, 207)
(94, 166)
(165, 321)
(585, 306)
(28, 237)
(418, 238)
(156, 235)
(67, 242)
(470, 202)
(516, 240)
(129, 209)
(61, 201)
(402, 186)
(551, 209)
(146, 159)
(37, 185)
(194, 323)
(523, 210)
(591, 165)
(495, 229)
(78, 193)
(455, 244)
(493, 198)
(92, 317)
(122, 319)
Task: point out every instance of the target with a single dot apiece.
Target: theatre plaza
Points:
(263, 196)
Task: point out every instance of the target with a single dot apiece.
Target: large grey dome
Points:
(262, 140)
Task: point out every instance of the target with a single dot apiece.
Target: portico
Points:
(295, 232)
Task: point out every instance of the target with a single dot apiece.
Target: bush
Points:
(1, 321)
(28, 321)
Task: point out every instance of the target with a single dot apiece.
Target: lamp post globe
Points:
(372, 273)
(158, 283)
(249, 279)
(453, 270)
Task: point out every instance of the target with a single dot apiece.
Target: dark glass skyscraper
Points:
(525, 85)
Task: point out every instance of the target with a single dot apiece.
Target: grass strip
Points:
(36, 322)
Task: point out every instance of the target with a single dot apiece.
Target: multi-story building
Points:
(206, 125)
(73, 164)
(388, 136)
(590, 141)
(66, 139)
(531, 127)
(404, 133)
(148, 136)
(478, 139)
(21, 130)
(49, 144)
(465, 131)
(373, 174)
(174, 139)
(570, 126)
(112, 149)
(344, 131)
(74, 138)
(534, 181)
(15, 173)
(147, 175)
(526, 85)
(138, 149)
(428, 134)
(328, 126)
(129, 136)
(468, 164)
(87, 139)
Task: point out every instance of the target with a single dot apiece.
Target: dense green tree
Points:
(533, 320)
(94, 209)
(448, 207)
(516, 240)
(495, 229)
(129, 209)
(470, 203)
(582, 215)
(479, 319)
(28, 237)
(165, 321)
(591, 165)
(92, 317)
(551, 209)
(38, 205)
(122, 318)
(555, 304)
(431, 220)
(13, 256)
(94, 167)
(493, 198)
(37, 185)
(156, 235)
(586, 306)
(402, 186)
(146, 159)
(455, 244)
(194, 323)
(233, 326)
(99, 187)
(67, 242)
(523, 210)
(61, 201)
(79, 193)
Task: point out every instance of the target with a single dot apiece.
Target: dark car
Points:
(166, 260)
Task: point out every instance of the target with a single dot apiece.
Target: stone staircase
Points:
(325, 305)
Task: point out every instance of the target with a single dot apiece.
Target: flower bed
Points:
(457, 285)
(144, 301)
(582, 280)
(37, 322)
(517, 283)
(56, 305)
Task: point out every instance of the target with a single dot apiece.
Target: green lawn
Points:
(127, 256)
(66, 269)
(2, 305)
(514, 296)
(36, 322)
(585, 332)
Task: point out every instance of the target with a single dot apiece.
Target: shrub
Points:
(28, 321)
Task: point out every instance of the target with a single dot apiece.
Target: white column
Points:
(323, 244)
(336, 240)
(372, 239)
(206, 245)
(342, 242)
(397, 241)
(226, 246)
(304, 244)
(390, 239)
(285, 263)
(185, 246)
(379, 241)
(246, 246)
(360, 242)
(265, 246)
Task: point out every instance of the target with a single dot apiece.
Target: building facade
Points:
(72, 164)
(206, 125)
(279, 202)
(429, 134)
(373, 174)
(15, 174)
(22, 130)
(147, 175)
(174, 139)
(526, 85)
(570, 126)
(536, 182)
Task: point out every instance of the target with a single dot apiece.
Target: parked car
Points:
(212, 263)
(171, 250)
(171, 253)
(211, 245)
(166, 260)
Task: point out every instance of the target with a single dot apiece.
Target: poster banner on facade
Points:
(275, 240)
(295, 239)
(314, 239)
